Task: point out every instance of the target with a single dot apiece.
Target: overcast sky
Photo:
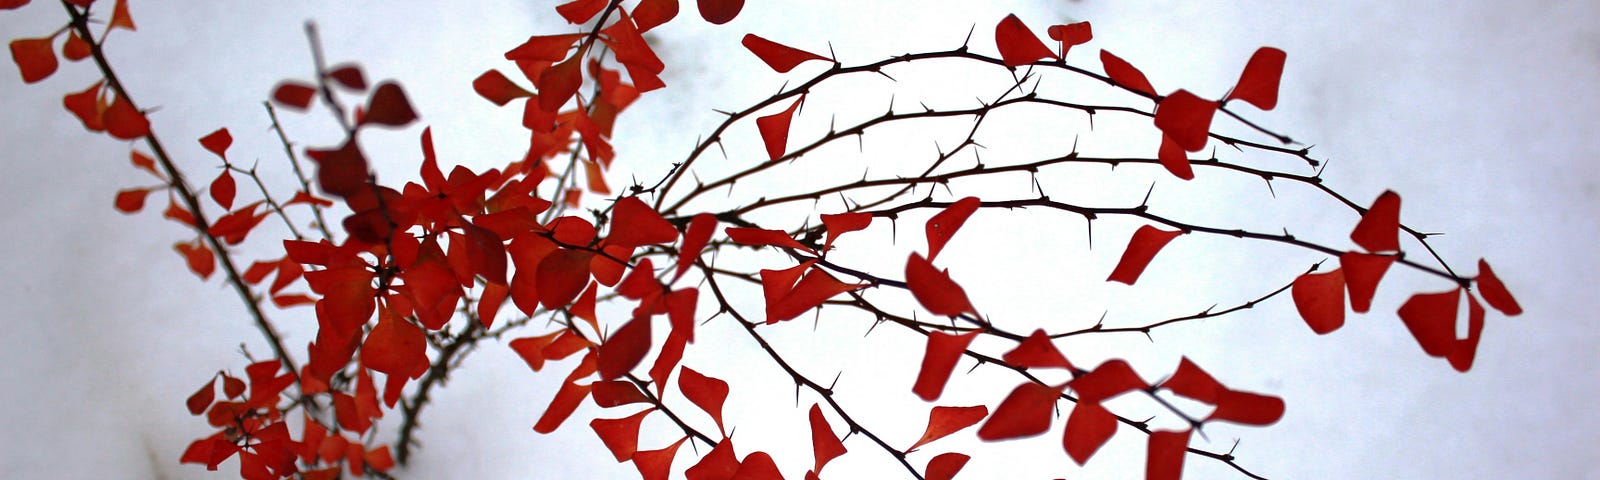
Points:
(1482, 116)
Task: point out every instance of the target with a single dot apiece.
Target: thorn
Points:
(1146, 201)
(968, 40)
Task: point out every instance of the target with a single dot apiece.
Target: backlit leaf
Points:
(1190, 381)
(1495, 292)
(653, 13)
(1247, 408)
(1431, 318)
(1174, 159)
(12, 4)
(293, 94)
(495, 87)
(1165, 457)
(719, 12)
(666, 360)
(842, 223)
(389, 106)
(1379, 228)
(816, 287)
(201, 399)
(824, 445)
(694, 240)
(780, 57)
(89, 107)
(776, 284)
(76, 48)
(1025, 412)
(565, 402)
(1036, 351)
(348, 76)
(131, 200)
(120, 17)
(1320, 299)
(1146, 242)
(35, 58)
(719, 464)
(1071, 35)
(1362, 271)
(123, 121)
(614, 393)
(680, 311)
(945, 466)
(394, 346)
(621, 435)
(560, 82)
(1467, 349)
(759, 237)
(943, 225)
(1089, 427)
(546, 48)
(342, 171)
(563, 274)
(625, 349)
(1124, 73)
(938, 361)
(633, 223)
(757, 466)
(934, 289)
(1112, 378)
(706, 392)
(1258, 83)
(579, 11)
(1186, 119)
(218, 142)
(199, 258)
(943, 421)
(1018, 45)
(223, 189)
(775, 129)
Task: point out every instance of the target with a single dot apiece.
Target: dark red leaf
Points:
(1362, 271)
(625, 349)
(131, 200)
(1124, 73)
(199, 258)
(1037, 351)
(566, 401)
(938, 361)
(201, 399)
(1495, 292)
(1165, 458)
(342, 171)
(1247, 408)
(1146, 242)
(943, 421)
(934, 289)
(223, 189)
(719, 12)
(1089, 427)
(1174, 158)
(559, 83)
(486, 253)
(579, 11)
(562, 276)
(218, 142)
(942, 226)
(349, 76)
(1466, 349)
(495, 87)
(652, 13)
(1018, 45)
(780, 57)
(1024, 413)
(945, 466)
(395, 346)
(1112, 378)
(759, 237)
(293, 94)
(1379, 228)
(1186, 119)
(1070, 35)
(12, 4)
(633, 223)
(706, 392)
(123, 121)
(719, 464)
(842, 223)
(694, 240)
(1190, 381)
(621, 435)
(1320, 299)
(35, 58)
(824, 445)
(775, 129)
(1431, 317)
(546, 48)
(389, 106)
(816, 287)
(1258, 83)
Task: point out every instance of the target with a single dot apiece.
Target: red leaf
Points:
(1124, 74)
(1466, 349)
(1108, 380)
(814, 289)
(1190, 381)
(1071, 35)
(342, 171)
(578, 11)
(395, 347)
(566, 401)
(633, 223)
(1024, 413)
(938, 361)
(35, 58)
(615, 393)
(202, 398)
(1247, 408)
(776, 284)
(1379, 228)
(1495, 292)
(757, 466)
(657, 464)
(942, 226)
(389, 106)
(652, 13)
(694, 240)
(641, 282)
(621, 435)
(824, 445)
(76, 48)
(88, 107)
(1165, 458)
(1258, 83)
(531, 349)
(780, 57)
(943, 421)
(706, 392)
(486, 253)
(1362, 271)
(609, 268)
(680, 311)
(349, 76)
(218, 142)
(1018, 45)
(945, 466)
(719, 12)
(131, 200)
(1174, 158)
(380, 459)
(546, 48)
(1186, 119)
(1089, 427)
(1320, 299)
(1431, 317)
(719, 464)
(562, 276)
(120, 17)
(775, 129)
(560, 82)
(293, 94)
(759, 237)
(625, 349)
(232, 387)
(934, 289)
(222, 189)
(495, 87)
(1036, 351)
(666, 360)
(1146, 242)
(12, 4)
(199, 257)
(584, 307)
(842, 223)
(123, 121)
